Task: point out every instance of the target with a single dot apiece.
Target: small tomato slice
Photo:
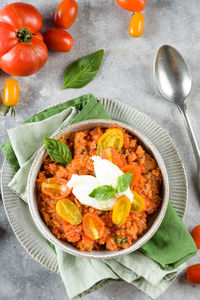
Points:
(196, 235)
(68, 211)
(93, 226)
(112, 155)
(56, 188)
(136, 25)
(138, 203)
(193, 274)
(136, 171)
(111, 138)
(121, 210)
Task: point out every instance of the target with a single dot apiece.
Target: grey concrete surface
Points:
(126, 75)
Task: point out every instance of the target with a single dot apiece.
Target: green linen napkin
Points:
(151, 269)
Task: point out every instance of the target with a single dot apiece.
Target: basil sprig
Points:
(105, 192)
(123, 182)
(58, 151)
(83, 70)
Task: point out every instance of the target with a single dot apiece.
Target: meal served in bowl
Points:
(97, 188)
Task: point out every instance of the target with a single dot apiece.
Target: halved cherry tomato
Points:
(121, 210)
(93, 226)
(68, 211)
(55, 187)
(136, 25)
(58, 40)
(138, 203)
(132, 5)
(136, 171)
(193, 274)
(112, 155)
(196, 235)
(111, 138)
(66, 13)
(10, 95)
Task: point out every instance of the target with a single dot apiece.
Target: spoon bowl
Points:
(172, 75)
(174, 81)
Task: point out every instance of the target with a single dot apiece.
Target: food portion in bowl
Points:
(96, 188)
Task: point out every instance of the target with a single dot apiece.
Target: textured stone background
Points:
(127, 76)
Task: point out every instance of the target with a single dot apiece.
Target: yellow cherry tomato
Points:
(68, 211)
(56, 188)
(10, 95)
(138, 203)
(121, 210)
(93, 226)
(111, 138)
(136, 25)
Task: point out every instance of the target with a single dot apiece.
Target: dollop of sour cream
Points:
(106, 173)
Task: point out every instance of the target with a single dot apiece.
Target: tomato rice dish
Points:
(84, 226)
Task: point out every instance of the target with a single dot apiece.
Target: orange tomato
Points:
(136, 171)
(193, 274)
(55, 187)
(113, 137)
(138, 203)
(93, 226)
(10, 95)
(112, 155)
(68, 211)
(196, 235)
(121, 210)
(136, 25)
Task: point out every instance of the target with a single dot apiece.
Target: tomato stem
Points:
(6, 110)
(24, 35)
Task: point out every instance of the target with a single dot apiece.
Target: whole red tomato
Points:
(66, 13)
(58, 40)
(132, 5)
(193, 274)
(22, 49)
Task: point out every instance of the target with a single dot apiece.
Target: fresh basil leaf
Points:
(103, 192)
(58, 151)
(83, 70)
(123, 182)
(123, 241)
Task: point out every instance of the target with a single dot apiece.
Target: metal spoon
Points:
(173, 79)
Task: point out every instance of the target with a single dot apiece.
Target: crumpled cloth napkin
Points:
(153, 267)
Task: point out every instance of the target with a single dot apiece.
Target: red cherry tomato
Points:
(136, 25)
(112, 155)
(58, 40)
(196, 235)
(93, 226)
(136, 171)
(132, 5)
(66, 13)
(193, 274)
(56, 188)
(22, 49)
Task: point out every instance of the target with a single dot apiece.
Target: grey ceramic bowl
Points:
(154, 220)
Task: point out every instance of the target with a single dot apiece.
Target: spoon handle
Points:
(192, 139)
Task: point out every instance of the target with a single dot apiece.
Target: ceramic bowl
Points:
(154, 220)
